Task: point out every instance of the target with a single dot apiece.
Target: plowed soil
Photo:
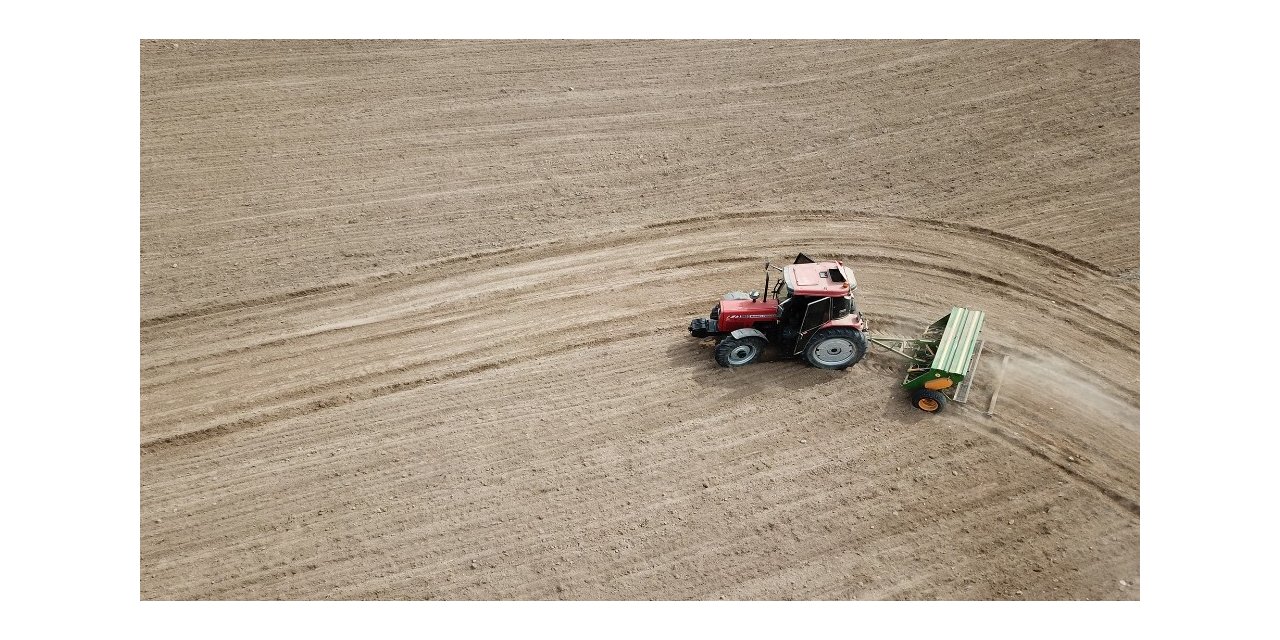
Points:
(414, 316)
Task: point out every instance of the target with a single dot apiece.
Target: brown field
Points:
(413, 319)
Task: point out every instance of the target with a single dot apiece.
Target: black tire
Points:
(836, 348)
(926, 400)
(739, 352)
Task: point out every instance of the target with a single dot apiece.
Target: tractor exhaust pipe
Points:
(766, 283)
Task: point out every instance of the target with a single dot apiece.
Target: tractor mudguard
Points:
(853, 321)
(742, 333)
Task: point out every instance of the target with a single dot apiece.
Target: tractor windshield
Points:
(781, 291)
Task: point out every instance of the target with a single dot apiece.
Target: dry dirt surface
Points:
(413, 320)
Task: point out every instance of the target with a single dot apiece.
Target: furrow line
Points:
(335, 400)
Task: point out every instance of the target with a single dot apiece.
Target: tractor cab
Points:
(811, 295)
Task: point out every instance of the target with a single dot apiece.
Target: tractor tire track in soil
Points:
(413, 315)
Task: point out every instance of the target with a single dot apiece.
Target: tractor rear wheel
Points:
(927, 400)
(836, 348)
(738, 352)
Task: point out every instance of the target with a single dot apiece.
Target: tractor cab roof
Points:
(823, 279)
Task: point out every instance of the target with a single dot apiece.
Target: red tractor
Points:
(812, 313)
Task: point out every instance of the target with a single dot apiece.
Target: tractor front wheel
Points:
(927, 400)
(738, 352)
(837, 348)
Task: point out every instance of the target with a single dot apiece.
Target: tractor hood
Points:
(748, 309)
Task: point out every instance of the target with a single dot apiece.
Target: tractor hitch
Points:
(702, 327)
